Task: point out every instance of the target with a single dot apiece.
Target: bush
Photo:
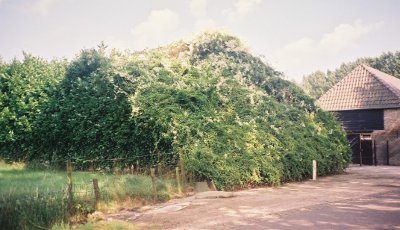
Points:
(207, 104)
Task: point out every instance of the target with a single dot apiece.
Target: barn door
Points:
(354, 143)
(366, 152)
(362, 150)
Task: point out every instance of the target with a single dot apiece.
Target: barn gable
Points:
(364, 88)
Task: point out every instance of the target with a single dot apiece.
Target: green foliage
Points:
(317, 83)
(289, 93)
(23, 87)
(89, 115)
(207, 103)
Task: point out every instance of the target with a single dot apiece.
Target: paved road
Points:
(377, 211)
(365, 197)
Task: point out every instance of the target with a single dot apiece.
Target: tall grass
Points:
(37, 199)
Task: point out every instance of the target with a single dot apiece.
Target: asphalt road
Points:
(377, 211)
(365, 197)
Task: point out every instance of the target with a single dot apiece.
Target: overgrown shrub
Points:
(207, 104)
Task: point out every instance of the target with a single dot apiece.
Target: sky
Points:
(295, 37)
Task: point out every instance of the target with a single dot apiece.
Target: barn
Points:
(367, 103)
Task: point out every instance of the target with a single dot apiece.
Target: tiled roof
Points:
(363, 88)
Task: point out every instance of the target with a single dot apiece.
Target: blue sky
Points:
(296, 37)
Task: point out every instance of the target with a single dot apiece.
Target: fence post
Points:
(70, 192)
(154, 183)
(96, 193)
(314, 176)
(178, 180)
(190, 179)
(183, 176)
(116, 167)
(158, 163)
(91, 167)
(159, 170)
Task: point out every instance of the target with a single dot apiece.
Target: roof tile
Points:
(363, 88)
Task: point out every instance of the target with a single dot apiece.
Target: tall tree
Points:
(89, 113)
(24, 85)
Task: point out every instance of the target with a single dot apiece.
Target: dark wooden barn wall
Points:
(361, 121)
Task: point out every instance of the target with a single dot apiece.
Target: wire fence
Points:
(138, 164)
(84, 191)
(152, 182)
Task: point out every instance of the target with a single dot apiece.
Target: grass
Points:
(36, 198)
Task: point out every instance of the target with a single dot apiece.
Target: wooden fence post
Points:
(91, 167)
(178, 180)
(70, 204)
(190, 179)
(96, 193)
(158, 163)
(159, 169)
(116, 167)
(154, 183)
(183, 176)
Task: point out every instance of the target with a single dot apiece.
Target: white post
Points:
(314, 170)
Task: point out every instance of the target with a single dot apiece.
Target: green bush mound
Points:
(207, 104)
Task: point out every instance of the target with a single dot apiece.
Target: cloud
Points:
(345, 35)
(307, 54)
(342, 37)
(42, 6)
(157, 29)
(240, 9)
(202, 24)
(199, 8)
